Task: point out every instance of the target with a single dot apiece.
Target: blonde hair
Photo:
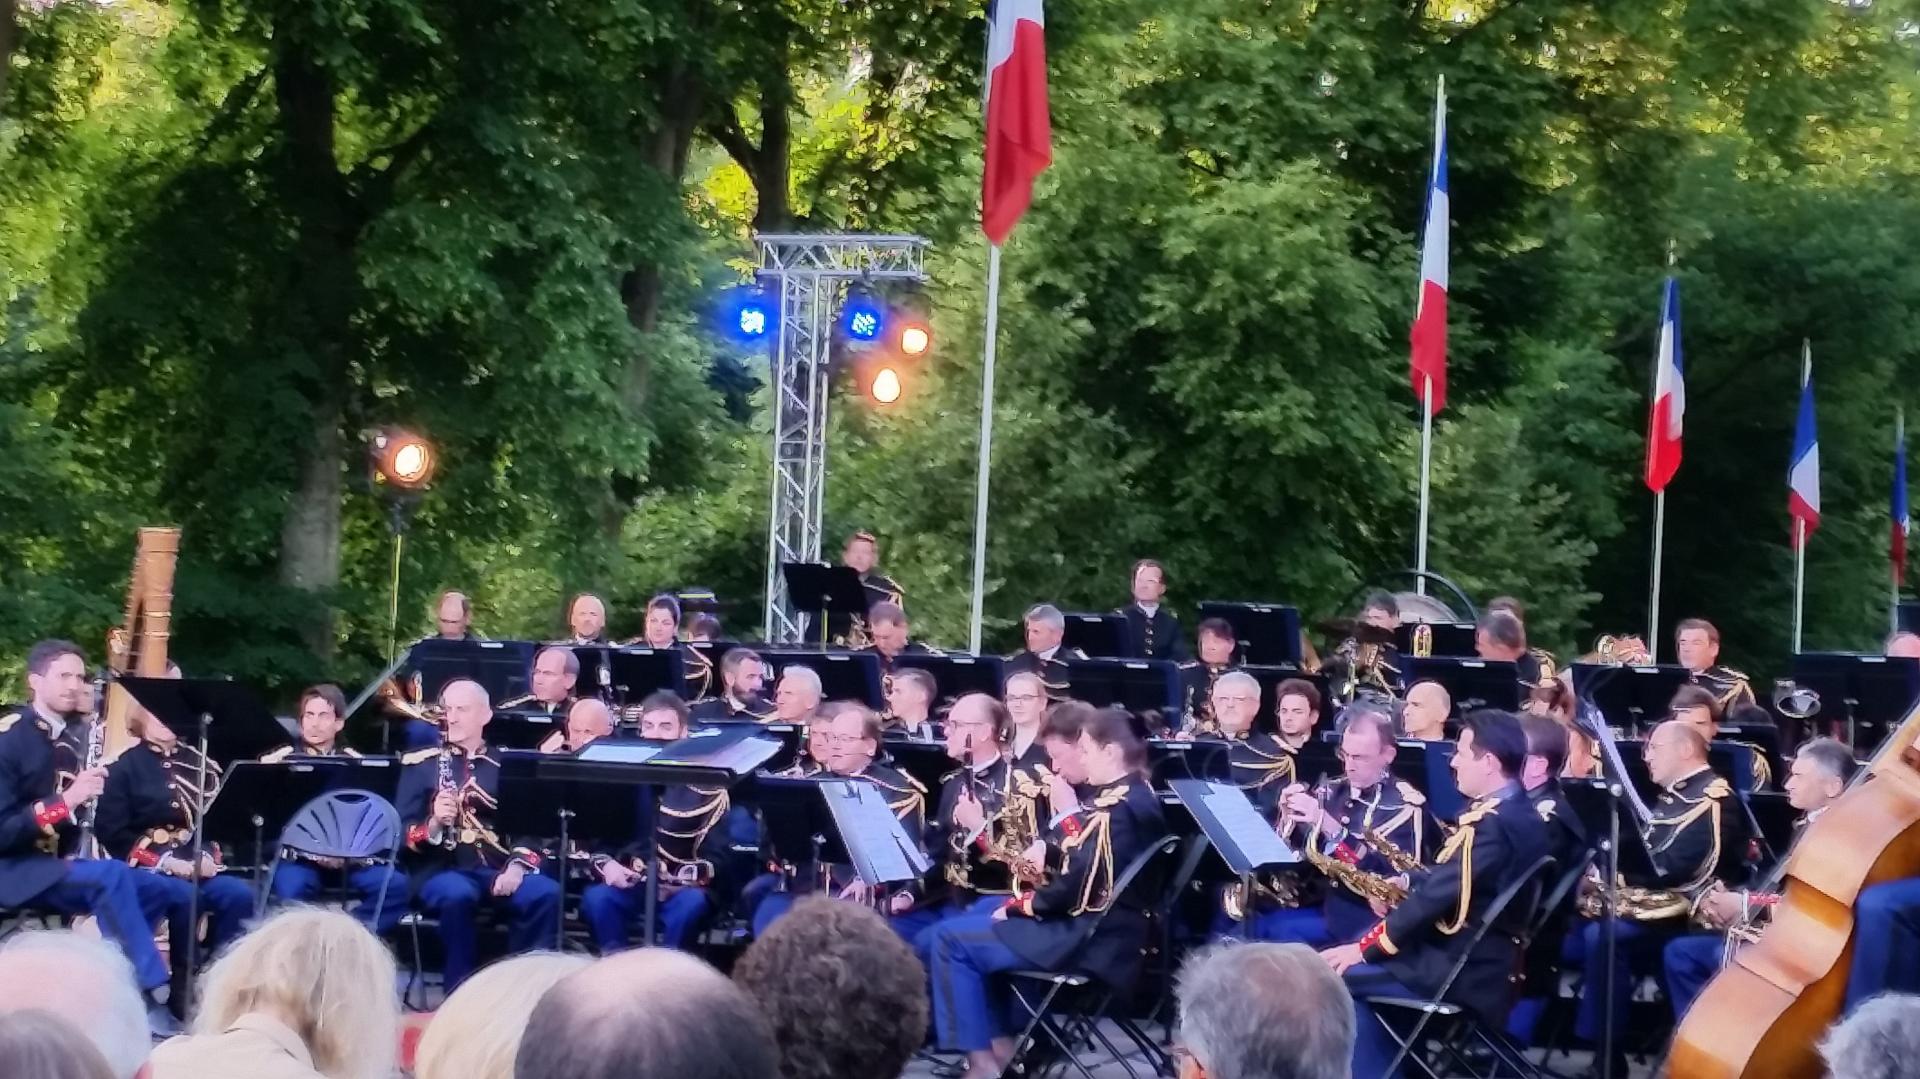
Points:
(476, 1033)
(324, 975)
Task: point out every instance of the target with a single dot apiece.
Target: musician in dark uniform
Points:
(742, 674)
(156, 791)
(1696, 706)
(446, 801)
(660, 631)
(1260, 764)
(1818, 774)
(299, 879)
(586, 620)
(1197, 676)
(862, 555)
(1152, 630)
(1412, 950)
(39, 826)
(1026, 697)
(1118, 820)
(555, 671)
(1352, 821)
(587, 721)
(910, 695)
(1696, 643)
(1046, 655)
(989, 808)
(1567, 841)
(853, 742)
(1697, 835)
(1501, 636)
(688, 815)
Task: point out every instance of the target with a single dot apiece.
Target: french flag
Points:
(1429, 334)
(1669, 396)
(1803, 478)
(1019, 128)
(1902, 516)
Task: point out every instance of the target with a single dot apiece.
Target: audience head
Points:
(842, 992)
(1367, 747)
(662, 624)
(87, 982)
(646, 1014)
(321, 973)
(478, 1032)
(1060, 737)
(56, 675)
(1880, 1040)
(1263, 1011)
(1026, 697)
(1425, 715)
(1149, 581)
(1216, 641)
(853, 740)
(1491, 753)
(468, 711)
(1236, 702)
(1675, 750)
(1046, 627)
(587, 616)
(588, 721)
(743, 672)
(453, 614)
(1546, 750)
(978, 728)
(35, 1044)
(1819, 772)
(887, 627)
(323, 715)
(910, 695)
(664, 716)
(1296, 709)
(797, 696)
(862, 552)
(555, 670)
(1697, 643)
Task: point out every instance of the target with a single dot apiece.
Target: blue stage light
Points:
(752, 319)
(863, 318)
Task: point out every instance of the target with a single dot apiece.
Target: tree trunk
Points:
(9, 38)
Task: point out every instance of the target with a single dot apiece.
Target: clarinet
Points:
(451, 837)
(89, 846)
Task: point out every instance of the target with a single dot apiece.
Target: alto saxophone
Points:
(1400, 860)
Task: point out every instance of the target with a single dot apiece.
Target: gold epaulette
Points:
(1719, 788)
(7, 721)
(1410, 794)
(515, 702)
(277, 755)
(1478, 810)
(952, 774)
(1546, 808)
(419, 756)
(1111, 798)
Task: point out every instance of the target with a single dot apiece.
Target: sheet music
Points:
(1245, 828)
(614, 752)
(881, 851)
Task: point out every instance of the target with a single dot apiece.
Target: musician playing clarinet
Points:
(39, 827)
(446, 800)
(1119, 819)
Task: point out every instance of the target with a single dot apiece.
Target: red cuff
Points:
(416, 835)
(530, 857)
(1377, 938)
(48, 814)
(1763, 899)
(982, 842)
(1071, 826)
(145, 858)
(1347, 854)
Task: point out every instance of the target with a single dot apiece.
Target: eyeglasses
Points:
(1024, 698)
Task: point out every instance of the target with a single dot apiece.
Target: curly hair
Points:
(844, 994)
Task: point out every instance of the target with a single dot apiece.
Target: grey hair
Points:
(1381, 717)
(1238, 678)
(86, 981)
(569, 660)
(1878, 1041)
(804, 675)
(1047, 615)
(1265, 1011)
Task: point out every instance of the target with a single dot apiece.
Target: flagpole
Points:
(1660, 496)
(1653, 598)
(1799, 577)
(1896, 568)
(1426, 483)
(986, 445)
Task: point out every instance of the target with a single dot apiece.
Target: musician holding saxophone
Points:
(1697, 836)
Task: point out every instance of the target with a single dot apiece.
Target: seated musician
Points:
(586, 620)
(555, 670)
(40, 827)
(299, 879)
(989, 809)
(704, 628)
(688, 815)
(1368, 661)
(453, 617)
(588, 720)
(1258, 762)
(1501, 636)
(1119, 819)
(742, 674)
(1544, 662)
(155, 793)
(890, 637)
(446, 800)
(1027, 697)
(1547, 748)
(1356, 821)
(660, 631)
(796, 698)
(1425, 714)
(1046, 654)
(853, 741)
(862, 555)
(1554, 699)
(1697, 836)
(1412, 950)
(1197, 676)
(1697, 644)
(1152, 630)
(910, 696)
(1820, 770)
(1697, 707)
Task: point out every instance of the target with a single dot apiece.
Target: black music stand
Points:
(830, 590)
(1632, 699)
(623, 676)
(1473, 683)
(524, 728)
(1134, 684)
(1245, 840)
(844, 676)
(1429, 767)
(1184, 760)
(956, 674)
(501, 667)
(257, 799)
(1449, 638)
(227, 723)
(1870, 694)
(791, 736)
(927, 762)
(1604, 810)
(1102, 636)
(1266, 634)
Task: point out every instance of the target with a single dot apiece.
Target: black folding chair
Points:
(1043, 993)
(1524, 890)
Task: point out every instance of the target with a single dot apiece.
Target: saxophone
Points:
(1401, 861)
(1013, 830)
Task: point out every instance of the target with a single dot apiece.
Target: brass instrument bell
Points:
(1795, 701)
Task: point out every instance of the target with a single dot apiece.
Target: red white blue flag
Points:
(1019, 127)
(1429, 336)
(1669, 410)
(1803, 477)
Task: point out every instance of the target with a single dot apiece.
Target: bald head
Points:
(468, 710)
(587, 721)
(1675, 750)
(1426, 711)
(644, 1014)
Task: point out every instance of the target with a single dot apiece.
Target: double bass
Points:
(1762, 1016)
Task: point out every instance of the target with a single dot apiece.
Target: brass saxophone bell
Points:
(1795, 701)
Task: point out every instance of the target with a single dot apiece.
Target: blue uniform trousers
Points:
(1691, 962)
(916, 926)
(969, 1010)
(1292, 925)
(1636, 953)
(454, 896)
(610, 914)
(1888, 916)
(127, 903)
(1373, 1046)
(379, 886)
(225, 902)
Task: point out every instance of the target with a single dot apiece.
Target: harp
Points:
(138, 645)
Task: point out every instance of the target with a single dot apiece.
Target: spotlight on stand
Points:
(913, 337)
(746, 315)
(863, 318)
(402, 460)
